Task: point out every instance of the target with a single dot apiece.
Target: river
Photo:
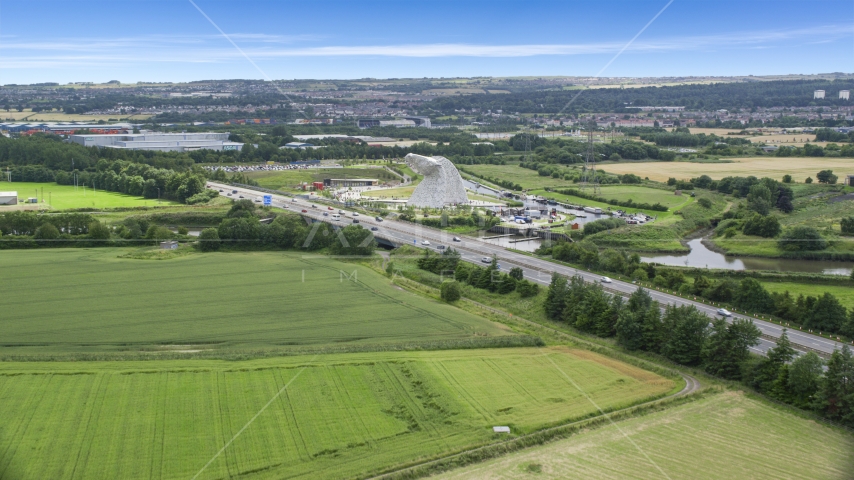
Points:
(702, 257)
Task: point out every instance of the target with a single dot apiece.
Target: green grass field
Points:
(341, 416)
(62, 197)
(845, 294)
(528, 179)
(288, 179)
(723, 436)
(91, 300)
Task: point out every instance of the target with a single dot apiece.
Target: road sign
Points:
(268, 200)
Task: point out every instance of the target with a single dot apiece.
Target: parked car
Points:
(724, 312)
(457, 239)
(374, 229)
(606, 280)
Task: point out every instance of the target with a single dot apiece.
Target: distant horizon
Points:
(108, 82)
(178, 41)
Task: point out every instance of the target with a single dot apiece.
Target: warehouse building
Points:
(398, 122)
(161, 142)
(8, 198)
(350, 182)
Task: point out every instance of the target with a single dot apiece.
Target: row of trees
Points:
(28, 223)
(242, 228)
(682, 137)
(567, 151)
(630, 179)
(490, 278)
(681, 334)
(824, 313)
(684, 335)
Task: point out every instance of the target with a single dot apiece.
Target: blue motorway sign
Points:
(268, 200)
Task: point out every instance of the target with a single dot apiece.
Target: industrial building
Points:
(400, 122)
(298, 145)
(350, 182)
(161, 142)
(844, 94)
(8, 198)
(818, 94)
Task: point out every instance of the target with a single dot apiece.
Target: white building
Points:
(843, 94)
(818, 94)
(8, 198)
(158, 141)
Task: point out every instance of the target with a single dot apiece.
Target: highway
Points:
(535, 269)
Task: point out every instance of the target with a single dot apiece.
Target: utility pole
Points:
(590, 163)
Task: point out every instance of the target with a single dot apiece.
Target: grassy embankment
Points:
(63, 197)
(665, 234)
(814, 207)
(722, 436)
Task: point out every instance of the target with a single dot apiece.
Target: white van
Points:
(336, 217)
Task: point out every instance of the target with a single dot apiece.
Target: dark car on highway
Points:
(374, 229)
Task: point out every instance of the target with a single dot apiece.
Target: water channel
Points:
(701, 257)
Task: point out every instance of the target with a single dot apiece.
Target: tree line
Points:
(490, 278)
(730, 96)
(684, 335)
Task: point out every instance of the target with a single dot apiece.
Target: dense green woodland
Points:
(730, 96)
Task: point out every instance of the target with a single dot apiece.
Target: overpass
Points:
(535, 269)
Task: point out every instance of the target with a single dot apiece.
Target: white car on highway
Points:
(606, 280)
(425, 242)
(724, 312)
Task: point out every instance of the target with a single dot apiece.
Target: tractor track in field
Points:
(691, 385)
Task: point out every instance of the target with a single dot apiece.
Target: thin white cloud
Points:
(19, 54)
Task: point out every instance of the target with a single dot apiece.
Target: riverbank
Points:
(702, 257)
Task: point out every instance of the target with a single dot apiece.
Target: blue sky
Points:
(172, 40)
